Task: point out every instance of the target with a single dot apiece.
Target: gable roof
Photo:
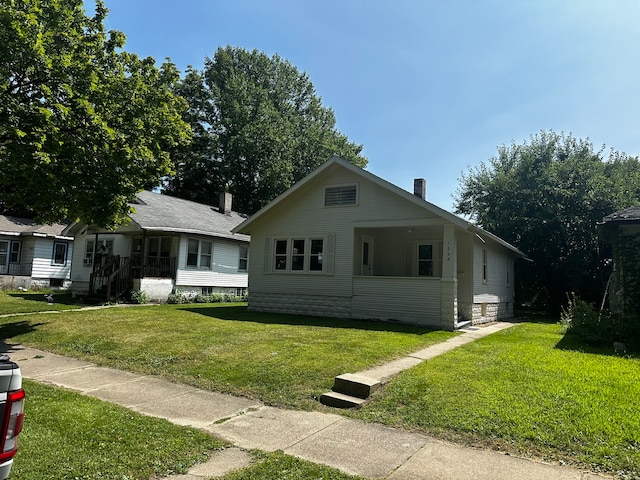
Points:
(156, 212)
(428, 206)
(631, 214)
(16, 226)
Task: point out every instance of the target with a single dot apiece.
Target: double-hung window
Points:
(199, 253)
(316, 251)
(243, 260)
(425, 260)
(280, 257)
(299, 255)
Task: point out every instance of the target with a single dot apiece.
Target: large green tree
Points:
(84, 125)
(259, 127)
(546, 197)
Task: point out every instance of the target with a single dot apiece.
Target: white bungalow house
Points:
(33, 254)
(343, 242)
(170, 246)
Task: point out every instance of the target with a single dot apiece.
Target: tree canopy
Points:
(84, 125)
(258, 128)
(546, 197)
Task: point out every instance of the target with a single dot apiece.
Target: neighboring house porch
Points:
(170, 246)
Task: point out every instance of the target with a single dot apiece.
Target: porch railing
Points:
(162, 267)
(16, 269)
(113, 278)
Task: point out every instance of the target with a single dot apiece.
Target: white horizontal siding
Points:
(43, 259)
(224, 270)
(498, 262)
(226, 257)
(209, 278)
(412, 300)
(81, 273)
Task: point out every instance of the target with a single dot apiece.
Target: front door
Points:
(367, 255)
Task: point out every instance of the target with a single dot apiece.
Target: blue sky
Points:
(428, 87)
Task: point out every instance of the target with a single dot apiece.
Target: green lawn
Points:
(528, 391)
(70, 436)
(281, 360)
(22, 302)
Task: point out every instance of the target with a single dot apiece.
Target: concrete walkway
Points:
(369, 450)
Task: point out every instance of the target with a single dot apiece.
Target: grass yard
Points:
(24, 302)
(70, 436)
(282, 360)
(528, 391)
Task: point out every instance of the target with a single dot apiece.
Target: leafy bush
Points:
(139, 296)
(217, 297)
(595, 328)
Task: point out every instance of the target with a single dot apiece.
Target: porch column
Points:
(449, 279)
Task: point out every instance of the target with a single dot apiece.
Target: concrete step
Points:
(463, 324)
(355, 385)
(340, 400)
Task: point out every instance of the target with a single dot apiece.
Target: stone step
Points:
(355, 385)
(340, 400)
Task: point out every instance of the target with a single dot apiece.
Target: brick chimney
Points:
(224, 205)
(420, 188)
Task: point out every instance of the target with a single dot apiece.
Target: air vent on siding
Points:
(340, 196)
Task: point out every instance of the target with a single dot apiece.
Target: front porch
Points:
(411, 271)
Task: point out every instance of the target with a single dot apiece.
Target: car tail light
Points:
(14, 416)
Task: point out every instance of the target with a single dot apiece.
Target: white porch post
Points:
(449, 279)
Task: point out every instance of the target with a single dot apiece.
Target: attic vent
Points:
(340, 196)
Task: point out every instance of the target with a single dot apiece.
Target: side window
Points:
(484, 265)
(205, 254)
(4, 252)
(192, 253)
(59, 254)
(88, 253)
(16, 248)
(199, 253)
(243, 260)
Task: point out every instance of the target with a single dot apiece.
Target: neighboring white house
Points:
(344, 243)
(33, 255)
(170, 246)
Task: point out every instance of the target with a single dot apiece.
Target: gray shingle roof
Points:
(26, 226)
(164, 213)
(628, 214)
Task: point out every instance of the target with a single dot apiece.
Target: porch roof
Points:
(16, 226)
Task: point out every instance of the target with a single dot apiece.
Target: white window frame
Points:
(200, 255)
(283, 260)
(5, 252)
(15, 254)
(243, 258)
(90, 253)
(66, 254)
(431, 261)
